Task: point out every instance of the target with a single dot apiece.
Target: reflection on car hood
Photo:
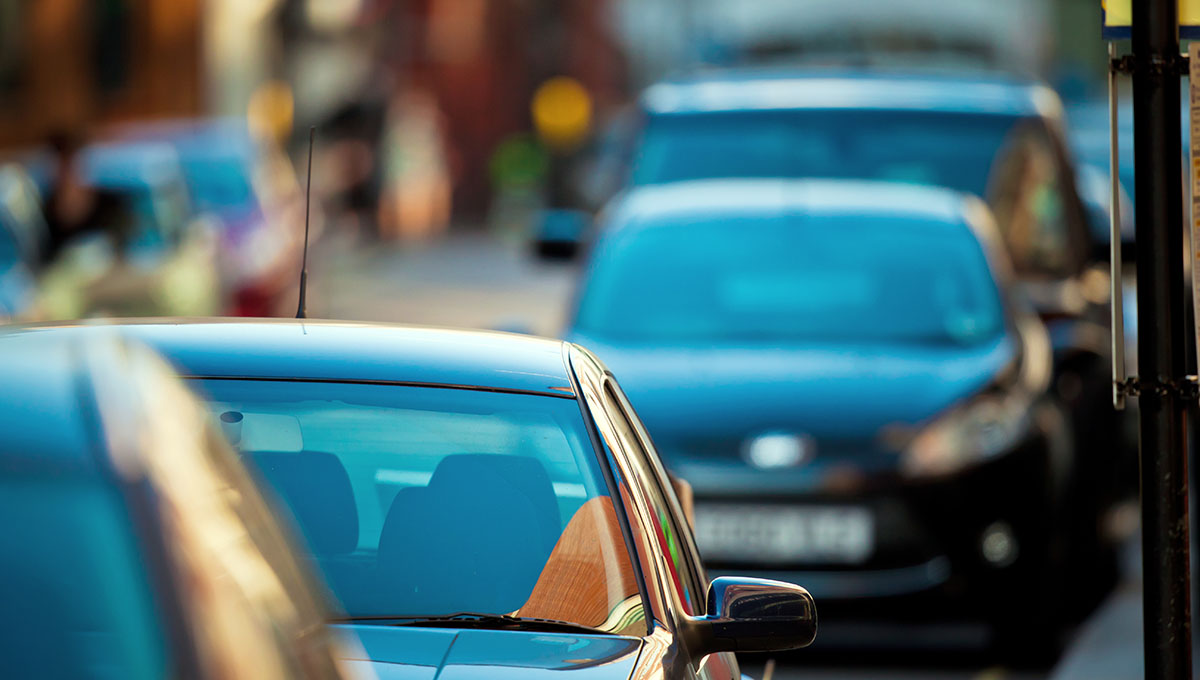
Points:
(831, 392)
(412, 653)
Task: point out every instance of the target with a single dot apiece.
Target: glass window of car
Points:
(425, 501)
(925, 147)
(838, 278)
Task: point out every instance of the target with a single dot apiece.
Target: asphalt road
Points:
(479, 282)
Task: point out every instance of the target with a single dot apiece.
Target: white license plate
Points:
(780, 534)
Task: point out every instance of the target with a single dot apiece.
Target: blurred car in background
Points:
(247, 183)
(164, 261)
(481, 504)
(23, 236)
(135, 544)
(860, 400)
(1011, 35)
(993, 136)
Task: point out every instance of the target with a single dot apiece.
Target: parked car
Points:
(134, 543)
(860, 401)
(997, 137)
(163, 262)
(475, 500)
(250, 186)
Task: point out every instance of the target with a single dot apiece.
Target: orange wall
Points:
(58, 89)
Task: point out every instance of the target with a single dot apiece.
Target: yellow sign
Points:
(1118, 15)
(562, 112)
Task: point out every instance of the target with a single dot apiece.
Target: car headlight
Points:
(983, 428)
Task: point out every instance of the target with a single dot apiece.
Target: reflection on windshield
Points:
(834, 278)
(420, 501)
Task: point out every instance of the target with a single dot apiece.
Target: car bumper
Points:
(929, 535)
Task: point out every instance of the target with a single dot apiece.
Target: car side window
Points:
(671, 529)
(1030, 198)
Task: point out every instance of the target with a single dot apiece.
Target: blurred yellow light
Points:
(270, 111)
(562, 112)
(1120, 12)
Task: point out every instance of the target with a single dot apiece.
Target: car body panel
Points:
(288, 349)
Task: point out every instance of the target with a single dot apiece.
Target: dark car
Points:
(860, 403)
(480, 504)
(134, 543)
(993, 136)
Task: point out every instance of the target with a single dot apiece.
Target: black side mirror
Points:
(560, 233)
(754, 615)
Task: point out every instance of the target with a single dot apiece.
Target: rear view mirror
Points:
(559, 233)
(754, 615)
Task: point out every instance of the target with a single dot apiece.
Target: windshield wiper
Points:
(478, 620)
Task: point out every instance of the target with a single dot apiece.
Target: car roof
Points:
(47, 423)
(205, 138)
(131, 165)
(291, 349)
(652, 205)
(726, 91)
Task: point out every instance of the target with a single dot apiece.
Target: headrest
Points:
(475, 539)
(315, 490)
(521, 475)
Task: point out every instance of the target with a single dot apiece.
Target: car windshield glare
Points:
(429, 501)
(833, 278)
(925, 147)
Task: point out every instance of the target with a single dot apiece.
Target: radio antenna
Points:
(301, 312)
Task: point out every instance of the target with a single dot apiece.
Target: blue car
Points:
(996, 137)
(250, 187)
(481, 505)
(859, 401)
(155, 256)
(135, 544)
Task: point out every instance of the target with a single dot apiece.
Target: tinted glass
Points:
(944, 149)
(769, 279)
(418, 501)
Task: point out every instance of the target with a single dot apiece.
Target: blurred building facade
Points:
(82, 63)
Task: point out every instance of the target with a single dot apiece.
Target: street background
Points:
(434, 162)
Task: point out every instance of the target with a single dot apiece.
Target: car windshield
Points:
(429, 501)
(943, 149)
(841, 278)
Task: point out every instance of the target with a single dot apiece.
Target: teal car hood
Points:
(411, 653)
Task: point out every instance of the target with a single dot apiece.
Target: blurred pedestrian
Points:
(75, 209)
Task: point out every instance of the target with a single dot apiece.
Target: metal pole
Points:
(1161, 350)
(1117, 290)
